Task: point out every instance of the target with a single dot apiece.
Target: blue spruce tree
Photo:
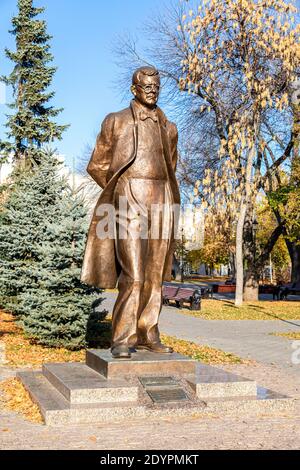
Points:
(43, 227)
(33, 121)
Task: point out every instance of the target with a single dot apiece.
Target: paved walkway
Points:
(246, 431)
(249, 339)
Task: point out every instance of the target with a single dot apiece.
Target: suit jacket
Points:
(115, 151)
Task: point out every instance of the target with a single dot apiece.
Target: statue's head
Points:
(146, 86)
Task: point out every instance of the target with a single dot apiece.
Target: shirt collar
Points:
(144, 113)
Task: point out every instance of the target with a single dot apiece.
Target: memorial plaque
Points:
(167, 395)
(158, 381)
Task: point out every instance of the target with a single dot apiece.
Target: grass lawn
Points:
(20, 351)
(261, 310)
(202, 353)
(292, 335)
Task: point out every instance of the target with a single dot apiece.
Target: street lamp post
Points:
(182, 248)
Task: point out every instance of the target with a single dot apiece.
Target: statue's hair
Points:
(149, 71)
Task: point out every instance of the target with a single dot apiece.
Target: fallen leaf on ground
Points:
(16, 398)
(201, 353)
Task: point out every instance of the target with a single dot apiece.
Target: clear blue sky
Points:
(83, 33)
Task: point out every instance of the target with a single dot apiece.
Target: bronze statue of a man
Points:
(134, 160)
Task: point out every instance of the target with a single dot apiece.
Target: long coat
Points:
(115, 151)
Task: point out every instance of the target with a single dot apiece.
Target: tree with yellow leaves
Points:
(227, 68)
(245, 51)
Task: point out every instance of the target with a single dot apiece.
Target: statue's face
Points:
(147, 90)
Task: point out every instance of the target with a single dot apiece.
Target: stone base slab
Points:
(75, 393)
(211, 382)
(141, 363)
(57, 410)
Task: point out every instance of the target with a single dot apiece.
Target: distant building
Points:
(192, 226)
(79, 183)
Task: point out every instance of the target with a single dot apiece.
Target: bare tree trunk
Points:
(294, 251)
(239, 256)
(251, 276)
(255, 268)
(251, 287)
(240, 227)
(232, 265)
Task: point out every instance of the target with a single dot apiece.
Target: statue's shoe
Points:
(121, 352)
(156, 347)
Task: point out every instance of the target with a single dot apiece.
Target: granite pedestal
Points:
(148, 385)
(142, 362)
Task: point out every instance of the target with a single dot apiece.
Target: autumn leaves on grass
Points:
(262, 310)
(20, 351)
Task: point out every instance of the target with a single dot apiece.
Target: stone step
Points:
(141, 363)
(78, 383)
(53, 406)
(58, 411)
(265, 401)
(211, 382)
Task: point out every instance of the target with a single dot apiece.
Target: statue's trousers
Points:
(143, 230)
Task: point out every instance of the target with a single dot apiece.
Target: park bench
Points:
(224, 288)
(291, 288)
(206, 292)
(295, 288)
(181, 296)
(268, 289)
(169, 292)
(280, 292)
(231, 281)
